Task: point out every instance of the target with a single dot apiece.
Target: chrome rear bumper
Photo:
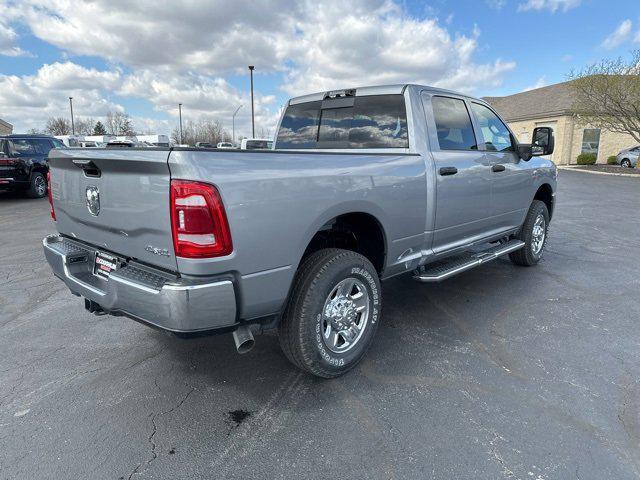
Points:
(177, 304)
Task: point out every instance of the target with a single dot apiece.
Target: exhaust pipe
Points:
(243, 339)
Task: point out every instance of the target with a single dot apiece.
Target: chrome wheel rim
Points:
(345, 315)
(538, 234)
(41, 186)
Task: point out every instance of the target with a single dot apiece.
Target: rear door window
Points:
(42, 145)
(453, 123)
(22, 147)
(375, 121)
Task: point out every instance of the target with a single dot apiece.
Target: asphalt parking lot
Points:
(504, 372)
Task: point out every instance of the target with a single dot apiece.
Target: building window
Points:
(591, 140)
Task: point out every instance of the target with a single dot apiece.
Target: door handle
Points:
(444, 171)
(498, 168)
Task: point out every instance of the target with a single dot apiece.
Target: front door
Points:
(509, 178)
(463, 188)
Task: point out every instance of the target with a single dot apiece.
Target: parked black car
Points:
(23, 163)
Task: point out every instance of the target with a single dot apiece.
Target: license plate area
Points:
(104, 264)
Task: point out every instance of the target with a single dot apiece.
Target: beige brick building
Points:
(551, 107)
(5, 128)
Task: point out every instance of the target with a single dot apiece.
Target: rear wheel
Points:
(332, 314)
(626, 163)
(37, 186)
(534, 235)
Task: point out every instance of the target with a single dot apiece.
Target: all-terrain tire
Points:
(532, 251)
(303, 325)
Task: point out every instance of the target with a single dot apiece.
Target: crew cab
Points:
(362, 185)
(24, 164)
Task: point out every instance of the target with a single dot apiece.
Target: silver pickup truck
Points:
(361, 185)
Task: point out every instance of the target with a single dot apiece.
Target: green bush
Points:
(587, 159)
(612, 160)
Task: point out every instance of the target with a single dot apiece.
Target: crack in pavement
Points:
(154, 430)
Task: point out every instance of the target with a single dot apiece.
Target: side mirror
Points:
(542, 142)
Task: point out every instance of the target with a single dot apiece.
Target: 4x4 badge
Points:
(93, 200)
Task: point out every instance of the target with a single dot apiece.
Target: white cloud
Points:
(8, 38)
(618, 36)
(181, 52)
(201, 97)
(496, 4)
(377, 43)
(542, 82)
(551, 5)
(27, 101)
(211, 37)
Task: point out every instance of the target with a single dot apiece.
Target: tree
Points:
(84, 126)
(211, 131)
(58, 126)
(119, 123)
(99, 129)
(607, 95)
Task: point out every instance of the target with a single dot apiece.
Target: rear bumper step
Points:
(177, 304)
(449, 267)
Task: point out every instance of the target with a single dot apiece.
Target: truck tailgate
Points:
(116, 200)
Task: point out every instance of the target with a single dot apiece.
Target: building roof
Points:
(550, 101)
(6, 124)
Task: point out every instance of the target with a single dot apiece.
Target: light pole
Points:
(180, 114)
(73, 126)
(253, 125)
(233, 125)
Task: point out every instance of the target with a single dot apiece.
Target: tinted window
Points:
(258, 145)
(57, 143)
(22, 147)
(376, 121)
(42, 145)
(497, 137)
(3, 147)
(455, 131)
(299, 127)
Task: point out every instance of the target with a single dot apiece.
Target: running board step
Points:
(448, 267)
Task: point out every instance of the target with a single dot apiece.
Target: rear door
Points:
(22, 155)
(463, 188)
(115, 200)
(510, 179)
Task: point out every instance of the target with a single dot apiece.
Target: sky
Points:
(145, 57)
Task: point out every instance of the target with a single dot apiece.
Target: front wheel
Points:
(534, 235)
(332, 314)
(625, 163)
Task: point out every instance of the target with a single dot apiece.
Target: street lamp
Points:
(180, 114)
(233, 125)
(73, 126)
(253, 125)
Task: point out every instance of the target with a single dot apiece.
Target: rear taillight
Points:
(51, 210)
(198, 221)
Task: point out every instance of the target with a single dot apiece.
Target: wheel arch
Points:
(544, 193)
(357, 227)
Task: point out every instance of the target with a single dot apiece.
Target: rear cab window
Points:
(373, 121)
(453, 124)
